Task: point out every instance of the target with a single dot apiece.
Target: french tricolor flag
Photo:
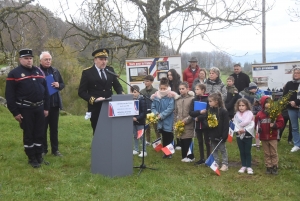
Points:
(141, 131)
(212, 164)
(157, 145)
(169, 149)
(191, 148)
(231, 131)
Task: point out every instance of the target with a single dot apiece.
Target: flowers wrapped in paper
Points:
(212, 120)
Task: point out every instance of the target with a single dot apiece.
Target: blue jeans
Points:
(294, 116)
(245, 146)
(136, 141)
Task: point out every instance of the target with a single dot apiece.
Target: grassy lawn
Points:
(69, 177)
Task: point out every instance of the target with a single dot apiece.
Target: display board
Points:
(273, 75)
(158, 67)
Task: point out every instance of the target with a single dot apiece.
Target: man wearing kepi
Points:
(57, 83)
(28, 100)
(96, 84)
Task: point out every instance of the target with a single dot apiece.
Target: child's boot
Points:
(275, 170)
(269, 170)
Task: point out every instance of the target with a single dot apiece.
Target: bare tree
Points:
(294, 11)
(132, 25)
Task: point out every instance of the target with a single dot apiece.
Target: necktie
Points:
(102, 75)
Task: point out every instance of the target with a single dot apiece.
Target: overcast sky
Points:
(282, 34)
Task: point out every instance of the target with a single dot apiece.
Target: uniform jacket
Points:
(221, 131)
(25, 84)
(189, 75)
(292, 85)
(263, 121)
(148, 93)
(241, 81)
(57, 78)
(165, 107)
(92, 87)
(216, 86)
(141, 118)
(183, 106)
(202, 119)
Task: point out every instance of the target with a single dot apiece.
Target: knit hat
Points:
(252, 85)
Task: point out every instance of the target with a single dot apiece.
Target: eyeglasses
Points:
(47, 59)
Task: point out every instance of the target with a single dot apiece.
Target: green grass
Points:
(69, 177)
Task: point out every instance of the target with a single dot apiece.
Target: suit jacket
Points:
(92, 87)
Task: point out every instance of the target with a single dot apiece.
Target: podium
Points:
(112, 143)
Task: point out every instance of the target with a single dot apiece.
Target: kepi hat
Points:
(101, 53)
(25, 53)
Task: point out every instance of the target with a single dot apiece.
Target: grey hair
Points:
(296, 68)
(215, 70)
(42, 54)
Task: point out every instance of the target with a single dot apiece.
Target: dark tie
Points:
(102, 75)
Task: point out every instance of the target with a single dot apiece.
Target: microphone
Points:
(112, 73)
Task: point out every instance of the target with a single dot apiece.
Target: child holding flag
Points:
(244, 128)
(163, 106)
(200, 122)
(182, 108)
(139, 121)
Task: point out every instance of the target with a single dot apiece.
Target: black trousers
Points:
(51, 121)
(167, 137)
(33, 128)
(185, 145)
(290, 136)
(200, 134)
(95, 115)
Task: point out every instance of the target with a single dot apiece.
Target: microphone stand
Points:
(143, 165)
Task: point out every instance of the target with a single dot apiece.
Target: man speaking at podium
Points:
(96, 84)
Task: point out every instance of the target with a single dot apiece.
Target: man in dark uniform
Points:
(241, 80)
(28, 100)
(96, 84)
(55, 103)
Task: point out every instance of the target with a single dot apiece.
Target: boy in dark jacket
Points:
(139, 120)
(268, 134)
(148, 91)
(232, 96)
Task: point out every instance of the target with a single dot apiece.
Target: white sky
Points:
(282, 34)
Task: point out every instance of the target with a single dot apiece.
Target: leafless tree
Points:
(139, 25)
(294, 11)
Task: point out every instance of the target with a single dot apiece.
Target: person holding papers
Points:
(55, 83)
(200, 123)
(244, 129)
(181, 113)
(163, 106)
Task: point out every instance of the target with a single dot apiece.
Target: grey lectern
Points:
(112, 142)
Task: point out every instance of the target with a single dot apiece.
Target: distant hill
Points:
(271, 57)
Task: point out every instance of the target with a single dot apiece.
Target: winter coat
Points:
(216, 86)
(164, 106)
(141, 118)
(181, 112)
(251, 97)
(241, 81)
(230, 102)
(189, 75)
(221, 131)
(202, 119)
(197, 81)
(244, 121)
(148, 93)
(292, 85)
(263, 121)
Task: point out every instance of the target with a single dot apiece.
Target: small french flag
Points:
(157, 145)
(191, 148)
(212, 164)
(231, 131)
(141, 131)
(169, 149)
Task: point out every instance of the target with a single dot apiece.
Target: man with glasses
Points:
(55, 103)
(96, 84)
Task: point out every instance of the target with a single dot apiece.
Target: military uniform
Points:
(26, 94)
(92, 87)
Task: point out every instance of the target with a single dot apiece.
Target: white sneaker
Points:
(249, 170)
(295, 148)
(178, 148)
(224, 168)
(242, 170)
(188, 160)
(135, 152)
(183, 160)
(148, 143)
(141, 154)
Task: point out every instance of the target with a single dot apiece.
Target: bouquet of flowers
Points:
(151, 119)
(179, 128)
(212, 120)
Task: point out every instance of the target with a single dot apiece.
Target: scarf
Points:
(164, 93)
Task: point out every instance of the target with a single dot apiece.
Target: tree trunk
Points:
(153, 28)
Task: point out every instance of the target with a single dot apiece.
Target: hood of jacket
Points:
(263, 101)
(189, 94)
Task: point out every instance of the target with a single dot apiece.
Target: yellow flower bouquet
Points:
(151, 119)
(179, 128)
(212, 120)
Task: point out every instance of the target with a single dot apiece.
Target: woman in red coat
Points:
(191, 72)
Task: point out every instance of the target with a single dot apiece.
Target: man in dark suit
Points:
(96, 84)
(241, 80)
